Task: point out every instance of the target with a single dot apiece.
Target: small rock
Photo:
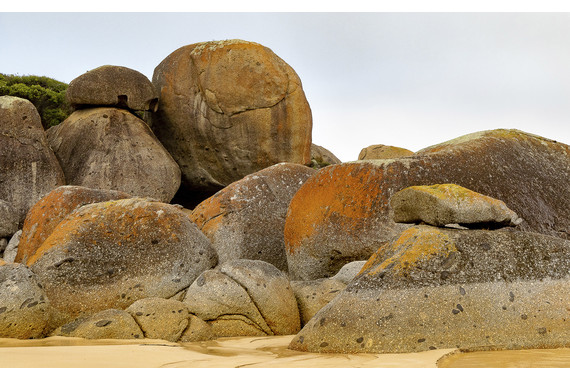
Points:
(378, 152)
(312, 296)
(107, 324)
(12, 249)
(160, 318)
(349, 271)
(197, 330)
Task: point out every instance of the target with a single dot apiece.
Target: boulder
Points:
(3, 245)
(45, 215)
(108, 255)
(9, 219)
(197, 330)
(28, 167)
(313, 295)
(440, 205)
(111, 149)
(12, 248)
(438, 288)
(321, 157)
(107, 324)
(349, 271)
(228, 109)
(23, 303)
(342, 213)
(245, 220)
(244, 297)
(113, 86)
(160, 318)
(376, 152)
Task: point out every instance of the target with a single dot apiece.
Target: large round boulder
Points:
(432, 288)
(342, 213)
(28, 167)
(113, 86)
(228, 109)
(45, 215)
(245, 220)
(111, 149)
(110, 254)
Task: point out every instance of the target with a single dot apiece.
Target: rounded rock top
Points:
(114, 86)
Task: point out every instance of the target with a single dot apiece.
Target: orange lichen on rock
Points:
(49, 211)
(207, 215)
(412, 249)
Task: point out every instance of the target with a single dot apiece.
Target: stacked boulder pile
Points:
(463, 244)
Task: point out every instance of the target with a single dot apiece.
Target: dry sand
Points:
(249, 352)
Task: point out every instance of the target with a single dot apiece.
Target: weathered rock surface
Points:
(107, 324)
(110, 254)
(321, 157)
(376, 152)
(114, 86)
(440, 288)
(12, 249)
(245, 220)
(313, 295)
(342, 213)
(45, 215)
(244, 297)
(28, 167)
(9, 219)
(439, 205)
(111, 149)
(160, 318)
(197, 331)
(349, 271)
(23, 303)
(228, 109)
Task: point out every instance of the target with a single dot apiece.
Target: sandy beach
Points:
(248, 352)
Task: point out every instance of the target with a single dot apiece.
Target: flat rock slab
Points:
(439, 205)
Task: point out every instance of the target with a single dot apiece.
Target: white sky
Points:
(405, 79)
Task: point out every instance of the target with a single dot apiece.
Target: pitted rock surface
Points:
(342, 213)
(313, 295)
(228, 109)
(45, 215)
(110, 254)
(9, 219)
(114, 86)
(107, 324)
(245, 220)
(245, 297)
(111, 149)
(23, 303)
(160, 318)
(442, 288)
(440, 205)
(28, 168)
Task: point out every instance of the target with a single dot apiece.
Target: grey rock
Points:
(245, 220)
(443, 288)
(113, 86)
(28, 167)
(9, 219)
(23, 303)
(107, 324)
(321, 157)
(313, 295)
(111, 149)
(12, 249)
(349, 271)
(160, 318)
(440, 205)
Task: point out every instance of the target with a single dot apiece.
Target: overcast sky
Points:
(404, 79)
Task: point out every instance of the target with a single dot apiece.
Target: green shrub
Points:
(47, 94)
